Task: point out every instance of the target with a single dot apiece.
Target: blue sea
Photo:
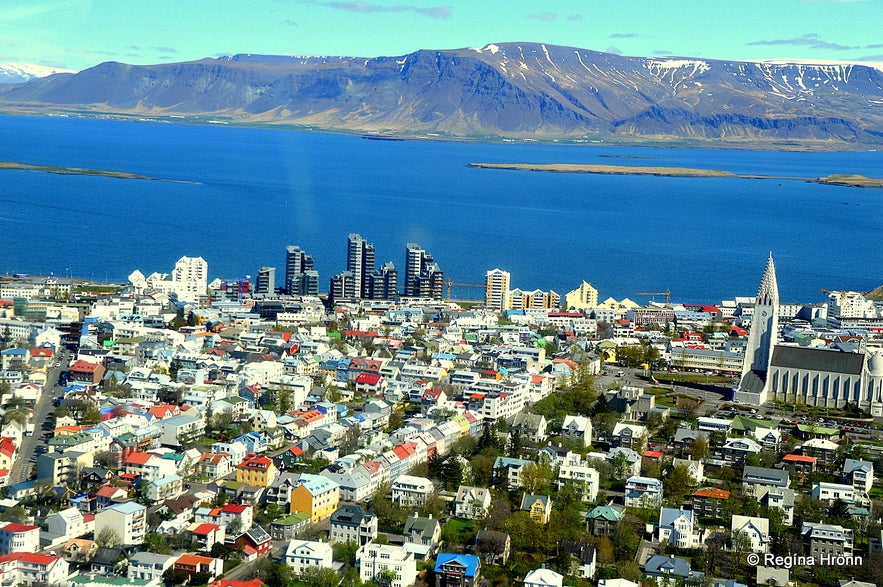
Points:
(246, 193)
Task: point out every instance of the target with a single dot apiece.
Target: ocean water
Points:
(246, 193)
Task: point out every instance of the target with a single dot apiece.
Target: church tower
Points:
(752, 388)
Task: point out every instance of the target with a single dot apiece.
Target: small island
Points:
(837, 179)
(81, 171)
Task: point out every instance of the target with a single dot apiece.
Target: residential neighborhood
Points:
(178, 431)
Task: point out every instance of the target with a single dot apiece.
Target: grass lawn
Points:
(460, 531)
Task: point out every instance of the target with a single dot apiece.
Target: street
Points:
(21, 468)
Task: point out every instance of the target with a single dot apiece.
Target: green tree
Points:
(625, 541)
(283, 398)
(676, 484)
(108, 537)
(699, 450)
(535, 477)
(156, 543)
(321, 577)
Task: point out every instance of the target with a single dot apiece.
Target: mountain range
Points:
(509, 90)
(16, 73)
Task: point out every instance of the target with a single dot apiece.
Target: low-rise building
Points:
(471, 503)
(755, 530)
(351, 523)
(149, 566)
(408, 490)
(375, 560)
(127, 521)
(307, 554)
(457, 570)
(643, 492)
(19, 538)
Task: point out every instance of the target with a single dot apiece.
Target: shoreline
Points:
(843, 180)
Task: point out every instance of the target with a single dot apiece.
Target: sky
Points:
(76, 34)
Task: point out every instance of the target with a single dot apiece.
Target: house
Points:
(577, 429)
(586, 480)
(457, 570)
(290, 526)
(257, 471)
(255, 540)
(207, 535)
(558, 456)
(149, 566)
(70, 523)
(165, 488)
(79, 550)
(315, 495)
(829, 540)
(584, 558)
(543, 578)
(214, 465)
(180, 430)
(756, 478)
(304, 554)
(408, 490)
(422, 535)
(676, 526)
(375, 559)
(149, 466)
(831, 492)
(510, 470)
(859, 474)
(799, 465)
(351, 523)
(127, 520)
(193, 564)
(108, 561)
(529, 426)
(471, 503)
(19, 538)
(696, 469)
(602, 519)
(779, 497)
(626, 435)
(821, 448)
(28, 568)
(643, 492)
(625, 462)
(539, 507)
(709, 502)
(737, 450)
(755, 530)
(668, 569)
(493, 546)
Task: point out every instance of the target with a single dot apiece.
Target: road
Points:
(21, 468)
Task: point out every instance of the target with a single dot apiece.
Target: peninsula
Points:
(837, 179)
(60, 170)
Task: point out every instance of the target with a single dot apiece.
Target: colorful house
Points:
(315, 495)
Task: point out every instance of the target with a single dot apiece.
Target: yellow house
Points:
(315, 495)
(539, 507)
(258, 471)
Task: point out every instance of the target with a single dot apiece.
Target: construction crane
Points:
(666, 293)
(451, 283)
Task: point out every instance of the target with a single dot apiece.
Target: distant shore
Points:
(837, 179)
(81, 171)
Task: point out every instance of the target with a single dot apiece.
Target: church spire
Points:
(768, 292)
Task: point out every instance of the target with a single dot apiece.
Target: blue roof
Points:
(467, 560)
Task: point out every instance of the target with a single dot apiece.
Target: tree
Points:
(283, 398)
(108, 537)
(625, 541)
(346, 552)
(676, 484)
(534, 477)
(321, 577)
(699, 450)
(156, 543)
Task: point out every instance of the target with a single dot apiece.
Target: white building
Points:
(756, 530)
(19, 538)
(373, 559)
(305, 554)
(128, 520)
(148, 566)
(643, 492)
(543, 578)
(585, 479)
(408, 490)
(676, 526)
(188, 281)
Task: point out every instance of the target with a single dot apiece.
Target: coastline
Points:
(60, 170)
(835, 180)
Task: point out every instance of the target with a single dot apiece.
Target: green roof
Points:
(817, 429)
(292, 519)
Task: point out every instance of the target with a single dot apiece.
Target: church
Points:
(819, 377)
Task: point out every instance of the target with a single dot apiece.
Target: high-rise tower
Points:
(496, 293)
(753, 385)
(359, 262)
(300, 276)
(423, 277)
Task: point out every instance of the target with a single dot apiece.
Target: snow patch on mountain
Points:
(16, 73)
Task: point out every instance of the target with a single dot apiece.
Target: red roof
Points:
(206, 528)
(256, 463)
(232, 583)
(652, 454)
(139, 458)
(713, 492)
(84, 366)
(233, 508)
(792, 458)
(30, 557)
(16, 528)
(41, 352)
(369, 378)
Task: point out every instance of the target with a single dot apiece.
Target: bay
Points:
(253, 191)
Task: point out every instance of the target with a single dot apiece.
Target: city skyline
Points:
(76, 34)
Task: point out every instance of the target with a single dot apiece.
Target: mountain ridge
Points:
(506, 90)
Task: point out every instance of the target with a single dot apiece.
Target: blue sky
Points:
(77, 34)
